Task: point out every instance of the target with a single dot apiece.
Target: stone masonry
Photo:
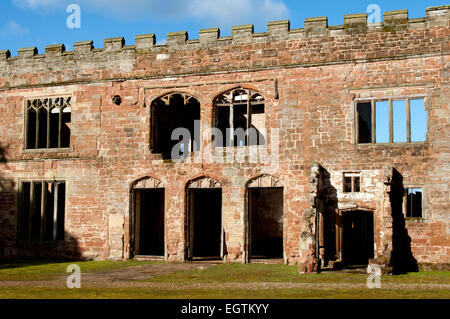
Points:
(310, 79)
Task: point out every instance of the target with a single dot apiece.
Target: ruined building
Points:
(341, 151)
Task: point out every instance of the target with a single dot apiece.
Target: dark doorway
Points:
(357, 237)
(265, 222)
(149, 210)
(205, 223)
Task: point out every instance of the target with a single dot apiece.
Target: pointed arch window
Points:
(48, 123)
(239, 118)
(175, 126)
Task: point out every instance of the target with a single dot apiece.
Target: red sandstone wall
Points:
(317, 78)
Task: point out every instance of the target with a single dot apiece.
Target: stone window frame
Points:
(390, 100)
(20, 211)
(353, 174)
(225, 102)
(425, 203)
(25, 148)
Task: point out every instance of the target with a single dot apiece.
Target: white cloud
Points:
(36, 4)
(13, 29)
(222, 13)
(229, 12)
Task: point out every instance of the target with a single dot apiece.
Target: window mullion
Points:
(373, 120)
(32, 210)
(249, 119)
(55, 210)
(391, 122)
(59, 127)
(232, 124)
(43, 198)
(408, 121)
(36, 142)
(48, 127)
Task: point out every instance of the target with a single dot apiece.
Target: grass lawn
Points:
(26, 270)
(147, 293)
(283, 273)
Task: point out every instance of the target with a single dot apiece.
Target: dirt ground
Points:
(132, 277)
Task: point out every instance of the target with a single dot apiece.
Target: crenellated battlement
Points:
(313, 27)
(316, 43)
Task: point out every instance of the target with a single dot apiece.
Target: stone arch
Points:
(147, 218)
(175, 111)
(204, 219)
(264, 218)
(240, 111)
(147, 182)
(204, 182)
(264, 180)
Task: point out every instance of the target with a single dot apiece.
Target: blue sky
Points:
(39, 23)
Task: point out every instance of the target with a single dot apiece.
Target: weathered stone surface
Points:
(309, 78)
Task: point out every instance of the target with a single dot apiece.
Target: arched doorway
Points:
(204, 231)
(265, 218)
(147, 227)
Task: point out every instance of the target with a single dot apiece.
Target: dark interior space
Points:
(266, 222)
(365, 122)
(150, 222)
(357, 237)
(206, 222)
(175, 111)
(402, 259)
(414, 203)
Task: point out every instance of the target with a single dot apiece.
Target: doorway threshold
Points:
(148, 258)
(267, 261)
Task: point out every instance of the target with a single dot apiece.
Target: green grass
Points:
(136, 293)
(283, 273)
(25, 270)
(51, 269)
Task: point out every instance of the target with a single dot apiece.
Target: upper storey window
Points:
(175, 126)
(47, 123)
(239, 118)
(391, 121)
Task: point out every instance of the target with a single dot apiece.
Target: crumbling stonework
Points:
(310, 80)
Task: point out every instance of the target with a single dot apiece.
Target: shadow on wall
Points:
(13, 247)
(7, 207)
(402, 259)
(330, 220)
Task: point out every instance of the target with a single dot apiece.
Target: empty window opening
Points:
(171, 112)
(399, 121)
(414, 203)
(266, 222)
(382, 122)
(240, 117)
(391, 121)
(42, 211)
(418, 120)
(352, 182)
(364, 122)
(357, 242)
(47, 123)
(149, 214)
(205, 236)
